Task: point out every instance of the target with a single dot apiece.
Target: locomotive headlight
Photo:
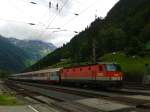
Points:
(100, 74)
(116, 75)
(121, 78)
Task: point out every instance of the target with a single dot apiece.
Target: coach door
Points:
(55, 76)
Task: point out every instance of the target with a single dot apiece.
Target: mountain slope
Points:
(12, 58)
(35, 49)
(126, 29)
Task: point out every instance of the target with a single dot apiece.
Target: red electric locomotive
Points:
(103, 74)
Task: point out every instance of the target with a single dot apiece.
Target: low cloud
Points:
(15, 16)
(30, 33)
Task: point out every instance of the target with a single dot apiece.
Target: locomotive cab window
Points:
(113, 67)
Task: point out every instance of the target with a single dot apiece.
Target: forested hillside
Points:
(12, 58)
(126, 28)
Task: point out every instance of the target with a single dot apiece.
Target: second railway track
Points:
(65, 94)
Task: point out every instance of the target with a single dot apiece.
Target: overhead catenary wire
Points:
(79, 14)
(79, 2)
(61, 10)
(54, 18)
(57, 15)
(14, 21)
(22, 11)
(44, 14)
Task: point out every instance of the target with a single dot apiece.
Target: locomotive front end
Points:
(115, 74)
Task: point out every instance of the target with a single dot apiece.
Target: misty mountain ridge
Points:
(16, 55)
(12, 58)
(36, 49)
(27, 42)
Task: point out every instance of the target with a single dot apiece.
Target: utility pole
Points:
(146, 78)
(94, 44)
(94, 49)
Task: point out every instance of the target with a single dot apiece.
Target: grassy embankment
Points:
(8, 100)
(132, 66)
(129, 64)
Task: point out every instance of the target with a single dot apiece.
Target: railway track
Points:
(73, 107)
(137, 86)
(78, 94)
(95, 90)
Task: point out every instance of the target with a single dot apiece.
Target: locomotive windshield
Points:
(113, 67)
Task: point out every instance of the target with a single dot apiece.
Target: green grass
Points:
(8, 100)
(129, 64)
(69, 64)
(62, 64)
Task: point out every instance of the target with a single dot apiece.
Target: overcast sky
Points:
(71, 15)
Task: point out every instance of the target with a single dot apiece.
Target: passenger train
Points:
(101, 74)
